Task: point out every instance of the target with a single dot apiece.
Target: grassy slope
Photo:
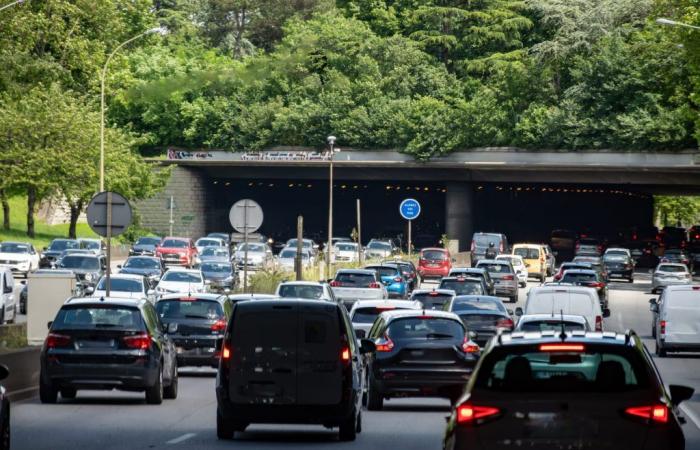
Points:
(44, 232)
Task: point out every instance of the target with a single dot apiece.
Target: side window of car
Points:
(376, 328)
(151, 318)
(349, 330)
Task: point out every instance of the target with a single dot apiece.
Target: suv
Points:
(293, 362)
(177, 251)
(107, 344)
(504, 277)
(567, 390)
(481, 242)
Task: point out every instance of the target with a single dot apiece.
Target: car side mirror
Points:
(367, 346)
(654, 307)
(4, 372)
(49, 324)
(171, 328)
(652, 301)
(680, 393)
(119, 266)
(89, 290)
(360, 334)
(606, 313)
(509, 311)
(518, 311)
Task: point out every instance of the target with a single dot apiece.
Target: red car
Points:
(434, 263)
(177, 251)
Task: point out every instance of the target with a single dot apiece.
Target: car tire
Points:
(347, 431)
(224, 428)
(2, 315)
(48, 393)
(170, 392)
(69, 393)
(154, 394)
(358, 428)
(631, 279)
(375, 400)
(653, 331)
(660, 351)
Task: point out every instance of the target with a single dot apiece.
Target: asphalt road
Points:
(117, 420)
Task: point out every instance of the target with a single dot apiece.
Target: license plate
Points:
(96, 344)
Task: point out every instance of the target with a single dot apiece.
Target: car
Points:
(434, 263)
(205, 242)
(220, 276)
(483, 315)
(463, 285)
(433, 298)
(351, 285)
(148, 266)
(321, 385)
(567, 390)
(676, 255)
(589, 278)
(346, 252)
(571, 300)
(596, 263)
(89, 268)
(695, 263)
(9, 298)
(365, 312)
(145, 246)
(408, 270)
(505, 281)
(418, 354)
(535, 258)
(518, 265)
(53, 251)
(617, 251)
(487, 246)
(124, 286)
(4, 411)
(668, 274)
(23, 297)
(73, 251)
(562, 241)
(214, 254)
(551, 259)
(392, 277)
(588, 246)
(197, 323)
(177, 251)
(287, 257)
(95, 246)
(380, 249)
(259, 255)
(178, 280)
(555, 322)
(306, 244)
(674, 237)
(20, 257)
(676, 318)
(477, 273)
(223, 236)
(309, 290)
(619, 266)
(105, 344)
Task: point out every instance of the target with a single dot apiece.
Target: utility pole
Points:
(298, 266)
(360, 254)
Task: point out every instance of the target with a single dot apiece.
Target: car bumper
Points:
(620, 273)
(136, 376)
(655, 283)
(508, 290)
(429, 272)
(396, 291)
(402, 381)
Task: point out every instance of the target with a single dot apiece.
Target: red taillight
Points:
(384, 344)
(138, 341)
(634, 237)
(501, 249)
(598, 323)
(562, 348)
(509, 278)
(469, 347)
(398, 279)
(54, 340)
(656, 413)
(662, 326)
(471, 413)
(505, 323)
(433, 294)
(375, 285)
(219, 325)
(336, 283)
(226, 352)
(345, 355)
(596, 284)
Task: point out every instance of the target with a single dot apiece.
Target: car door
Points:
(8, 294)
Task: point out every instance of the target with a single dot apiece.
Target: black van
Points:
(292, 362)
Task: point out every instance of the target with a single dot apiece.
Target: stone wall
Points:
(187, 186)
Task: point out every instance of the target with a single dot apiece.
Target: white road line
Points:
(691, 415)
(182, 438)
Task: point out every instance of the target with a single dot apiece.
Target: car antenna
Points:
(562, 336)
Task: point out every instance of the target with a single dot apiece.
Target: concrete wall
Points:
(188, 187)
(459, 213)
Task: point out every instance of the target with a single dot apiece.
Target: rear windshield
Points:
(354, 279)
(434, 255)
(148, 241)
(221, 267)
(142, 263)
(432, 301)
(79, 262)
(463, 287)
(496, 268)
(460, 305)
(483, 240)
(527, 253)
(430, 328)
(174, 243)
(346, 247)
(578, 277)
(367, 315)
(596, 369)
(385, 271)
(120, 285)
(183, 277)
(98, 317)
(189, 309)
(549, 325)
(670, 268)
(301, 291)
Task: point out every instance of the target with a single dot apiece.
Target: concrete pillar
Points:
(459, 216)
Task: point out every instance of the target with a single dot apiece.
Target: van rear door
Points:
(320, 377)
(681, 311)
(264, 353)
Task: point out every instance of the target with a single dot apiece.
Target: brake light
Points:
(469, 347)
(562, 347)
(336, 283)
(345, 355)
(596, 284)
(598, 323)
(385, 308)
(662, 326)
(634, 237)
(471, 413)
(509, 277)
(505, 323)
(384, 344)
(656, 413)
(54, 340)
(226, 352)
(138, 341)
(375, 285)
(219, 325)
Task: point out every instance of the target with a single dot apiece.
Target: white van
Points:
(573, 300)
(677, 319)
(8, 296)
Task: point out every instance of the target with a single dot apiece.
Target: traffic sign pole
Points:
(109, 243)
(245, 216)
(409, 210)
(409, 239)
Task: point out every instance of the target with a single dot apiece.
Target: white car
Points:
(547, 322)
(618, 251)
(669, 274)
(518, 265)
(346, 252)
(124, 286)
(351, 285)
(288, 254)
(305, 289)
(204, 242)
(20, 257)
(677, 319)
(9, 303)
(259, 255)
(364, 312)
(571, 300)
(180, 281)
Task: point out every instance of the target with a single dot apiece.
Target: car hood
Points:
(214, 259)
(15, 256)
(168, 250)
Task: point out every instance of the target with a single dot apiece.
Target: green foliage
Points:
(675, 210)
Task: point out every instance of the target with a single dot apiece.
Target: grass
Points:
(44, 233)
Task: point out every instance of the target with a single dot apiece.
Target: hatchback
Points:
(434, 263)
(464, 285)
(668, 274)
(484, 316)
(433, 298)
(506, 282)
(392, 277)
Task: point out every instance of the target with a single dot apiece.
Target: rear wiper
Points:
(195, 316)
(438, 336)
(105, 325)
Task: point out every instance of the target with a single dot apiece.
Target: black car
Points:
(418, 354)
(588, 278)
(619, 266)
(149, 266)
(290, 361)
(221, 276)
(107, 344)
(409, 272)
(4, 411)
(145, 246)
(485, 316)
(53, 252)
(464, 285)
(199, 325)
(575, 390)
(88, 268)
(476, 272)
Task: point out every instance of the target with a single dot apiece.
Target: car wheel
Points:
(348, 428)
(170, 392)
(47, 392)
(653, 331)
(69, 393)
(375, 400)
(224, 428)
(630, 279)
(154, 394)
(359, 422)
(2, 315)
(660, 351)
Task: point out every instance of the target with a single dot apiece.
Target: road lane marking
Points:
(691, 415)
(183, 438)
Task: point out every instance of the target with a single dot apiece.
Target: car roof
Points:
(275, 302)
(403, 313)
(569, 317)
(581, 271)
(554, 336)
(478, 280)
(434, 249)
(301, 283)
(491, 261)
(252, 297)
(202, 296)
(177, 238)
(357, 271)
(527, 245)
(125, 276)
(389, 265)
(576, 263)
(469, 269)
(105, 301)
(182, 269)
(618, 249)
(439, 291)
(671, 264)
(560, 288)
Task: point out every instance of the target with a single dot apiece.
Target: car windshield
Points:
(189, 308)
(142, 263)
(578, 277)
(425, 328)
(76, 317)
(549, 325)
(304, 244)
(593, 369)
(208, 243)
(214, 251)
(463, 287)
(252, 247)
(385, 271)
(11, 247)
(434, 255)
(379, 246)
(527, 252)
(496, 268)
(182, 277)
(220, 267)
(174, 243)
(350, 279)
(672, 268)
(79, 262)
(58, 245)
(90, 245)
(120, 285)
(301, 291)
(148, 241)
(290, 254)
(346, 247)
(462, 304)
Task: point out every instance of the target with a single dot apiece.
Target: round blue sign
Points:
(409, 209)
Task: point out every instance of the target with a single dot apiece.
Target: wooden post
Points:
(298, 265)
(360, 254)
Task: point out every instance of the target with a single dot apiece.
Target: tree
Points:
(677, 210)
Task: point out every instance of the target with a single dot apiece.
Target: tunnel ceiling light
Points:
(291, 184)
(388, 188)
(355, 186)
(228, 183)
(216, 182)
(309, 185)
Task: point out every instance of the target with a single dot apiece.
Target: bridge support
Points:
(459, 213)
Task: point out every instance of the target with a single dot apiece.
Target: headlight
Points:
(89, 276)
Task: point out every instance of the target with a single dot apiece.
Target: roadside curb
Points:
(23, 382)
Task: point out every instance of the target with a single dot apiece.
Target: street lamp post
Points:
(16, 2)
(673, 23)
(331, 144)
(160, 30)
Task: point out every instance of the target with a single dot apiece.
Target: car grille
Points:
(8, 261)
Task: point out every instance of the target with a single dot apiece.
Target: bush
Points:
(266, 281)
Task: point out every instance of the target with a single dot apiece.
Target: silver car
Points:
(363, 313)
(351, 285)
(259, 255)
(504, 277)
(377, 249)
(669, 274)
